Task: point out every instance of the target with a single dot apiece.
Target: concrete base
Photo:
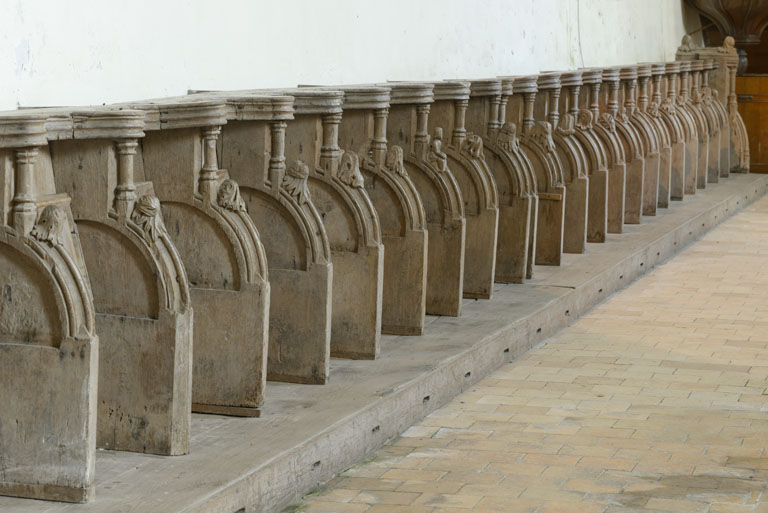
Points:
(307, 434)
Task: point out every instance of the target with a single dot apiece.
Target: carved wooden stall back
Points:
(647, 111)
(513, 176)
(208, 222)
(595, 152)
(140, 290)
(539, 147)
(697, 127)
(604, 127)
(338, 191)
(401, 213)
(427, 165)
(616, 119)
(712, 97)
(684, 180)
(48, 346)
(572, 156)
(466, 160)
(277, 198)
(648, 140)
(670, 187)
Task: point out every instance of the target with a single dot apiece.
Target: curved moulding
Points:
(718, 124)
(426, 163)
(571, 153)
(648, 139)
(466, 160)
(208, 222)
(604, 127)
(141, 295)
(48, 347)
(670, 188)
(539, 147)
(337, 188)
(278, 201)
(580, 125)
(634, 152)
(397, 203)
(512, 175)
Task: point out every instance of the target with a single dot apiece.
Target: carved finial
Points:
(607, 121)
(687, 45)
(295, 181)
(474, 144)
(394, 160)
(146, 214)
(729, 45)
(668, 105)
(349, 170)
(49, 226)
(228, 196)
(436, 154)
(542, 134)
(507, 138)
(585, 119)
(567, 124)
(653, 109)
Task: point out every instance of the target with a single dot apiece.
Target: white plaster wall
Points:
(57, 52)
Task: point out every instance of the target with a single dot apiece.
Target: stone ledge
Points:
(307, 434)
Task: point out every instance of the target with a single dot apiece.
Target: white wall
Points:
(101, 51)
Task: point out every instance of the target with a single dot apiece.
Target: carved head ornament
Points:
(542, 134)
(146, 214)
(567, 124)
(228, 196)
(474, 144)
(507, 137)
(49, 225)
(607, 121)
(436, 154)
(585, 119)
(349, 170)
(295, 181)
(394, 160)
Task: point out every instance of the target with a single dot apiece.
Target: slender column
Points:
(125, 192)
(732, 106)
(277, 154)
(379, 145)
(684, 83)
(573, 100)
(330, 153)
(695, 87)
(613, 98)
(210, 172)
(502, 117)
(657, 89)
(672, 87)
(642, 97)
(459, 129)
(528, 122)
(495, 120)
(594, 100)
(421, 135)
(553, 116)
(630, 89)
(24, 208)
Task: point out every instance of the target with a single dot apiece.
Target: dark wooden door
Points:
(752, 92)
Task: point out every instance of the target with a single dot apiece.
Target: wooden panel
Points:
(752, 91)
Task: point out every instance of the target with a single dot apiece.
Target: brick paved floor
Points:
(654, 401)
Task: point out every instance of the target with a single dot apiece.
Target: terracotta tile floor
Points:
(654, 401)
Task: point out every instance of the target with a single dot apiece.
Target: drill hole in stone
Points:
(316, 465)
(538, 330)
(506, 351)
(375, 429)
(468, 374)
(425, 400)
(600, 291)
(567, 313)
